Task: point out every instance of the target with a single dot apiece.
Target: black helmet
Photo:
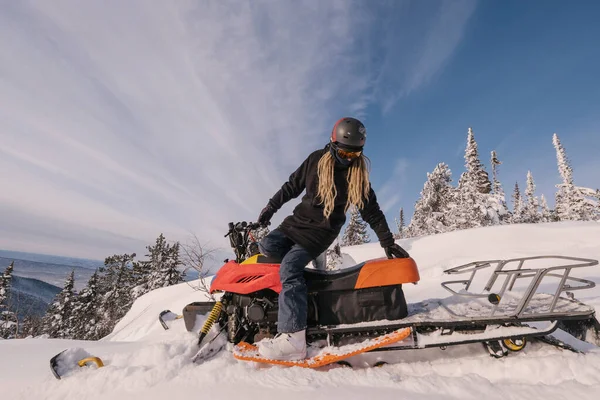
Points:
(349, 133)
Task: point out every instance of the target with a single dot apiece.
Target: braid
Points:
(358, 183)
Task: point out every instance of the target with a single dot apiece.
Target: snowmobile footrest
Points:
(248, 352)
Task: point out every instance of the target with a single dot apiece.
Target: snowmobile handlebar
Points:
(240, 238)
(242, 227)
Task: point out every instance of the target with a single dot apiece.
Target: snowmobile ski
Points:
(167, 315)
(66, 361)
(249, 352)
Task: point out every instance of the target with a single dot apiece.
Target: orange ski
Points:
(249, 352)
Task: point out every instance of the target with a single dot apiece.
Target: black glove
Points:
(265, 216)
(396, 251)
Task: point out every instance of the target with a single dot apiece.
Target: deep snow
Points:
(145, 361)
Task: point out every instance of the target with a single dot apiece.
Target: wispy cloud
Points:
(418, 46)
(389, 195)
(124, 119)
(120, 120)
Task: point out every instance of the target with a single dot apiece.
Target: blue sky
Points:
(522, 71)
(126, 119)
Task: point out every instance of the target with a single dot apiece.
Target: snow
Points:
(142, 360)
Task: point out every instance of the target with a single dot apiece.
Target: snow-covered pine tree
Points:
(570, 203)
(8, 319)
(545, 213)
(5, 279)
(400, 225)
(498, 197)
(356, 230)
(140, 278)
(155, 259)
(597, 208)
(531, 212)
(431, 210)
(475, 169)
(496, 185)
(115, 287)
(334, 259)
(114, 266)
(170, 273)
(86, 321)
(518, 213)
(9, 325)
(32, 326)
(57, 322)
(474, 206)
(164, 264)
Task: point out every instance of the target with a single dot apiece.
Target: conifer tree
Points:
(518, 207)
(118, 267)
(475, 173)
(5, 285)
(169, 273)
(356, 231)
(58, 319)
(115, 302)
(531, 213)
(498, 198)
(400, 224)
(436, 201)
(474, 205)
(115, 287)
(140, 278)
(546, 214)
(8, 319)
(496, 185)
(570, 202)
(32, 326)
(86, 321)
(164, 264)
(597, 208)
(333, 257)
(156, 256)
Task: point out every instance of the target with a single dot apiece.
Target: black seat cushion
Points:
(344, 279)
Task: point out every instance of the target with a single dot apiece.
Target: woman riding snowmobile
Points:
(335, 178)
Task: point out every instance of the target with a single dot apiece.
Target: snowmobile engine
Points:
(252, 317)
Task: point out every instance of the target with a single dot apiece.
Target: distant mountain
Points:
(55, 269)
(55, 274)
(35, 288)
(31, 296)
(49, 259)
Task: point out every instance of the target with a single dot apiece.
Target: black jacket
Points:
(307, 225)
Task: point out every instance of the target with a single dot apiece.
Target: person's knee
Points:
(274, 244)
(293, 264)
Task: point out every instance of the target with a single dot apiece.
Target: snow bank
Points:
(145, 361)
(141, 322)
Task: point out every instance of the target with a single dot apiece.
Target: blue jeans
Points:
(293, 304)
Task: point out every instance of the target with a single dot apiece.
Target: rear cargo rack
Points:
(521, 268)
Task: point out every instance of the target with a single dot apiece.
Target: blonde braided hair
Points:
(357, 178)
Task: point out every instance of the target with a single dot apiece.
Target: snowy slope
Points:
(145, 361)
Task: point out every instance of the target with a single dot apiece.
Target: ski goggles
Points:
(347, 154)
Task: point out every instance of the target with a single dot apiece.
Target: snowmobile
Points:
(363, 309)
(250, 284)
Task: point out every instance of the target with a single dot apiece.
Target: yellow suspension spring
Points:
(212, 317)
